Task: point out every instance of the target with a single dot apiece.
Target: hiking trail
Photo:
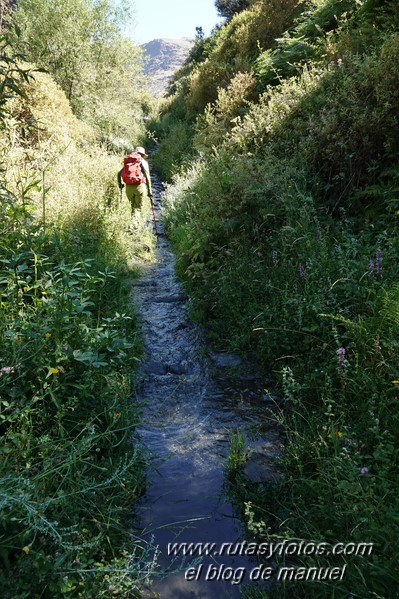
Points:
(189, 409)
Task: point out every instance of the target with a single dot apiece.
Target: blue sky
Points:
(171, 19)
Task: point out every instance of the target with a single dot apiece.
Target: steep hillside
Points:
(165, 56)
(281, 145)
(67, 339)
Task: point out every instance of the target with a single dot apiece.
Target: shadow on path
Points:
(187, 419)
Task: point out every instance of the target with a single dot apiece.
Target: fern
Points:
(390, 310)
(305, 41)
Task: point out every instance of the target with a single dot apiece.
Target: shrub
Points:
(286, 233)
(237, 45)
(220, 117)
(80, 43)
(68, 347)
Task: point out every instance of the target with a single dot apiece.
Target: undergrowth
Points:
(286, 231)
(69, 471)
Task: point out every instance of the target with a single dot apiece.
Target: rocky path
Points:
(188, 416)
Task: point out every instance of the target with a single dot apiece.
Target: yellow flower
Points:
(395, 382)
(339, 434)
(48, 335)
(54, 370)
(26, 549)
(117, 414)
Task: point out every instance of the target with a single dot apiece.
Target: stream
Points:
(189, 409)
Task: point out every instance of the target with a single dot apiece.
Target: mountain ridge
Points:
(163, 56)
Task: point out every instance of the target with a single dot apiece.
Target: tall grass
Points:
(69, 346)
(286, 232)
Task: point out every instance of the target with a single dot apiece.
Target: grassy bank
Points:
(69, 348)
(286, 230)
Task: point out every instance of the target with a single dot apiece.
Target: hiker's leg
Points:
(134, 197)
(142, 193)
(139, 194)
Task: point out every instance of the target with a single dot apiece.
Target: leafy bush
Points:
(219, 118)
(69, 471)
(237, 45)
(210, 74)
(286, 232)
(228, 8)
(309, 39)
(81, 45)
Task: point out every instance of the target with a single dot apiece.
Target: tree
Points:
(199, 33)
(80, 43)
(228, 8)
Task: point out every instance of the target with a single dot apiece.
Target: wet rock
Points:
(181, 368)
(270, 398)
(156, 368)
(161, 369)
(257, 470)
(224, 360)
(249, 377)
(144, 284)
(261, 464)
(170, 299)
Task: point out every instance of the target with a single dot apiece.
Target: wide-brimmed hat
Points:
(141, 150)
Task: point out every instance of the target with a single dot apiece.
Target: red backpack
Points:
(131, 172)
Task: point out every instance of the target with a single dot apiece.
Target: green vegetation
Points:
(228, 8)
(280, 142)
(69, 346)
(80, 44)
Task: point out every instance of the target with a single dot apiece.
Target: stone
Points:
(270, 398)
(260, 469)
(170, 299)
(156, 368)
(178, 368)
(144, 284)
(225, 360)
(261, 463)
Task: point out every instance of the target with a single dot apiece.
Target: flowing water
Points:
(189, 410)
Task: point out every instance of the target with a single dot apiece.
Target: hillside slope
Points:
(283, 210)
(63, 229)
(164, 57)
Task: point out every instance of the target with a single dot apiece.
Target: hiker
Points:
(135, 174)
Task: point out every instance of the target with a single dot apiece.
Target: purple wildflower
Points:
(364, 470)
(378, 262)
(371, 267)
(302, 272)
(341, 360)
(275, 257)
